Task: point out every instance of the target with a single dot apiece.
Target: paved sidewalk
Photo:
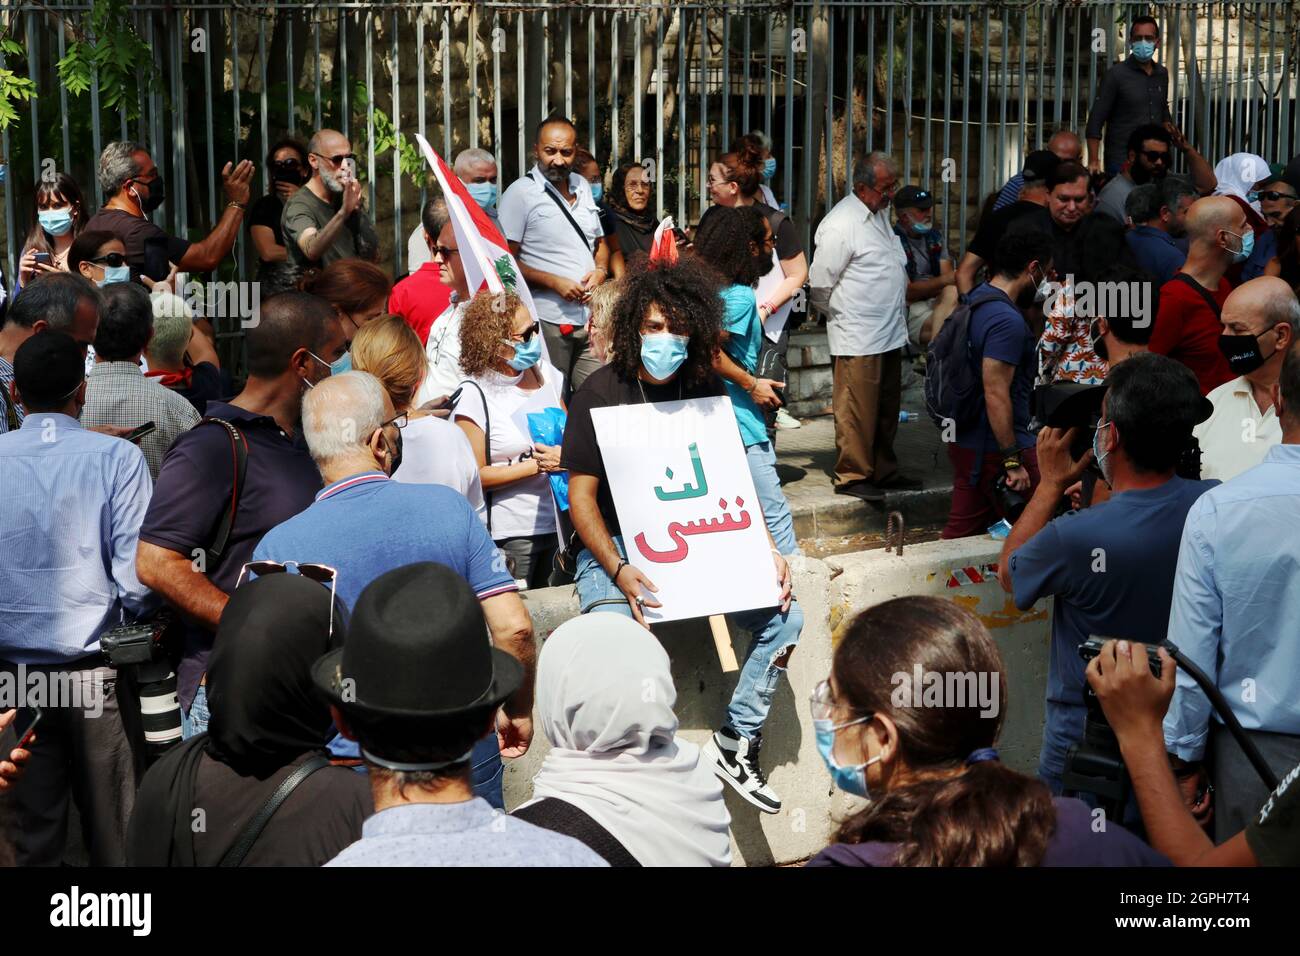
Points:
(806, 462)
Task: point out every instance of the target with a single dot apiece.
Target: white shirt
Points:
(1235, 437)
(523, 507)
(436, 452)
(858, 277)
(443, 354)
(417, 250)
(547, 240)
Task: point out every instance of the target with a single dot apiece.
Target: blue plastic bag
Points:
(547, 428)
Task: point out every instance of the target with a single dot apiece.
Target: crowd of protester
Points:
(329, 554)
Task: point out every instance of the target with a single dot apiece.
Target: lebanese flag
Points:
(484, 253)
(663, 250)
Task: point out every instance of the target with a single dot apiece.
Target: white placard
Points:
(691, 520)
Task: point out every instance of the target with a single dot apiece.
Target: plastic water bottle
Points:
(906, 416)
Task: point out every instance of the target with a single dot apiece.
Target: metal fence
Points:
(958, 92)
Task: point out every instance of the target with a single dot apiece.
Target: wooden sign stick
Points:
(722, 641)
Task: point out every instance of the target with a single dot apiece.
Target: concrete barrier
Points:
(830, 592)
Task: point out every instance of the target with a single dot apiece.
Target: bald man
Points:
(1068, 149)
(363, 524)
(325, 222)
(1260, 321)
(1187, 325)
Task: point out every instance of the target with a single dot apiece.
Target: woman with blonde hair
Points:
(500, 348)
(434, 451)
(600, 326)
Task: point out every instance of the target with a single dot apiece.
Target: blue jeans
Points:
(195, 720)
(761, 459)
(773, 635)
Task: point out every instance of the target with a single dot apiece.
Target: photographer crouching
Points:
(1109, 567)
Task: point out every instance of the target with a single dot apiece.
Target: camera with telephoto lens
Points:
(139, 647)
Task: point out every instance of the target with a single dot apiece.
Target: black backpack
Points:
(954, 382)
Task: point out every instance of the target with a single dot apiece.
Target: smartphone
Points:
(25, 726)
(42, 258)
(135, 434)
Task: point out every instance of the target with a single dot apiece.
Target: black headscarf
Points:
(265, 711)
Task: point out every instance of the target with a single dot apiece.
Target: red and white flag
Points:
(663, 249)
(484, 253)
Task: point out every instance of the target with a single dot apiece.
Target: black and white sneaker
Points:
(735, 761)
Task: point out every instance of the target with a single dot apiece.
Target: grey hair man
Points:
(477, 169)
(181, 356)
(1158, 213)
(133, 188)
(1261, 319)
(859, 281)
(62, 301)
(325, 222)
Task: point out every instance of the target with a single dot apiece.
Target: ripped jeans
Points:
(773, 634)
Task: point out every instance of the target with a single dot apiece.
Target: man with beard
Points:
(1150, 158)
(325, 222)
(553, 226)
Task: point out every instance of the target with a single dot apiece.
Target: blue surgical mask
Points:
(526, 353)
(851, 779)
(340, 365)
(1143, 50)
(485, 194)
(769, 167)
(57, 222)
(597, 191)
(1247, 246)
(662, 354)
(115, 274)
(920, 228)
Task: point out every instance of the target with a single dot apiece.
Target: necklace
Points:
(646, 401)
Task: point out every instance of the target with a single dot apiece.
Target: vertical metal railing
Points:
(956, 92)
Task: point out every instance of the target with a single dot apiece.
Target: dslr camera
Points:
(139, 647)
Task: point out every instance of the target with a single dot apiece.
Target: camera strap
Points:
(239, 457)
(235, 855)
(1209, 299)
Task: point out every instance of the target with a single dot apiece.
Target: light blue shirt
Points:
(460, 834)
(71, 510)
(1237, 601)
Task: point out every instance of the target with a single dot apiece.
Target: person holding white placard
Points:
(666, 330)
(500, 344)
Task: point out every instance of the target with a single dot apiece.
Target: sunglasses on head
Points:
(337, 160)
(320, 573)
(1273, 196)
(114, 260)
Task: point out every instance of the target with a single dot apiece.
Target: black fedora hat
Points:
(417, 647)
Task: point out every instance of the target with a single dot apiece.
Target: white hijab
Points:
(605, 695)
(1238, 174)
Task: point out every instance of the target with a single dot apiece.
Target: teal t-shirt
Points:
(740, 320)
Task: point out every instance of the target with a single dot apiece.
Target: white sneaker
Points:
(735, 761)
(785, 420)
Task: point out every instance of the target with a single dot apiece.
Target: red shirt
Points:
(419, 299)
(1188, 330)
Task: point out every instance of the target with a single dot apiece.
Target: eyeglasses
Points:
(1156, 155)
(114, 260)
(640, 187)
(397, 421)
(320, 573)
(336, 160)
(1273, 195)
(445, 252)
(821, 703)
(527, 334)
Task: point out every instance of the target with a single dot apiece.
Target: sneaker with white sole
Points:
(735, 760)
(785, 420)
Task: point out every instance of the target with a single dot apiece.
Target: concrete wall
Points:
(830, 591)
(808, 385)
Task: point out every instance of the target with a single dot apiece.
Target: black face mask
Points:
(1099, 342)
(397, 454)
(157, 194)
(1242, 352)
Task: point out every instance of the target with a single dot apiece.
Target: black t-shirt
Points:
(1274, 835)
(994, 225)
(266, 212)
(1065, 258)
(134, 231)
(602, 389)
